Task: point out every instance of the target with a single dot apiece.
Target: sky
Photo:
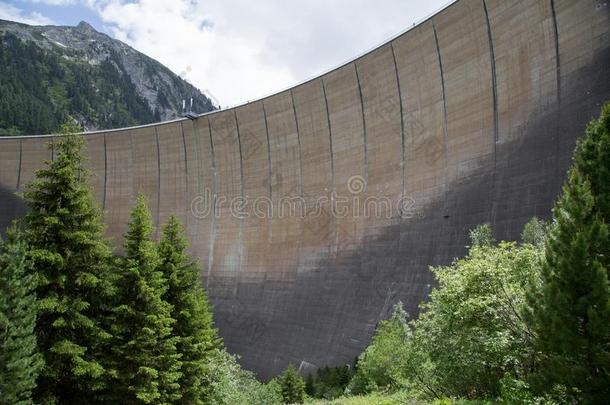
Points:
(237, 51)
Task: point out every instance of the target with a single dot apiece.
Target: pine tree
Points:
(194, 327)
(293, 386)
(146, 359)
(20, 361)
(71, 259)
(571, 311)
(592, 157)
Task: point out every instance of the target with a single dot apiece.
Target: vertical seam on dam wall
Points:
(440, 66)
(296, 122)
(195, 124)
(241, 193)
(332, 159)
(557, 64)
(186, 171)
(105, 172)
(20, 159)
(268, 149)
(364, 140)
(158, 185)
(330, 141)
(402, 122)
(494, 88)
(213, 221)
(558, 76)
(241, 160)
(494, 82)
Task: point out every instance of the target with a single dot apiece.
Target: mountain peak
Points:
(85, 26)
(117, 86)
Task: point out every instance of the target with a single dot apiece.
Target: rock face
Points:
(160, 90)
(358, 180)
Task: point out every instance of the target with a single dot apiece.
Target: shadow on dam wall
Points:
(502, 89)
(327, 316)
(11, 207)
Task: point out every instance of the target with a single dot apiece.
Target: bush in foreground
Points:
(229, 384)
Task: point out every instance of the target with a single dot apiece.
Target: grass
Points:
(398, 398)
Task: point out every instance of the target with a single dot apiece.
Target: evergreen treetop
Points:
(72, 260)
(194, 328)
(147, 363)
(592, 158)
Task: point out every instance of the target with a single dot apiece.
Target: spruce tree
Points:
(20, 361)
(293, 386)
(592, 157)
(147, 363)
(571, 308)
(71, 259)
(193, 328)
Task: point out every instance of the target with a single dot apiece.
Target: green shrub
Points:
(231, 385)
(292, 386)
(382, 365)
(471, 332)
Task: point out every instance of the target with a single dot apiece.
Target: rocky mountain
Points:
(50, 73)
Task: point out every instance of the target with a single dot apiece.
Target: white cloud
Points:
(12, 13)
(240, 50)
(54, 2)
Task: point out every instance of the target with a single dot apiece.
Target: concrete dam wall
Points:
(313, 210)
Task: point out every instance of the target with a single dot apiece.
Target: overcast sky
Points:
(237, 50)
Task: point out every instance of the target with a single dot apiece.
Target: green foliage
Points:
(534, 232)
(310, 388)
(231, 385)
(382, 365)
(592, 159)
(194, 329)
(469, 335)
(377, 398)
(145, 356)
(292, 385)
(132, 329)
(40, 88)
(20, 361)
(482, 235)
(328, 382)
(72, 260)
(571, 303)
(471, 332)
(513, 391)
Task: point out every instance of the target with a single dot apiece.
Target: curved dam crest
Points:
(313, 210)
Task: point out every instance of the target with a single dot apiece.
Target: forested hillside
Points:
(99, 81)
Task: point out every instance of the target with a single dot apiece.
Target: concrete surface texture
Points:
(313, 210)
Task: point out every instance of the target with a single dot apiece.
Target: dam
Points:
(313, 210)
